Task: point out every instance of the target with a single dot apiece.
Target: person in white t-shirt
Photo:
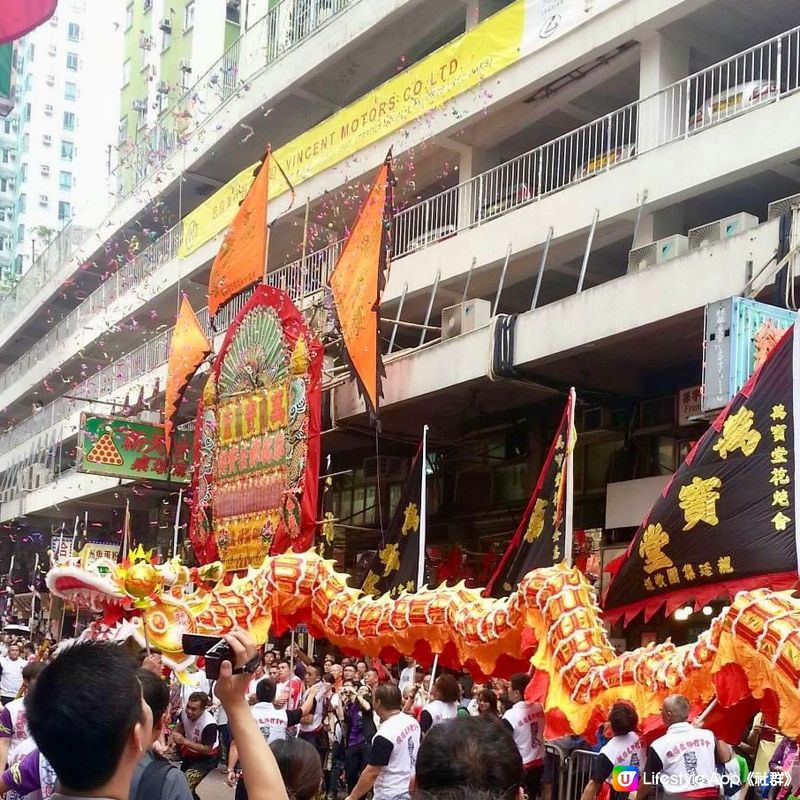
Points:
(14, 720)
(526, 722)
(273, 722)
(625, 748)
(408, 676)
(393, 756)
(444, 705)
(11, 675)
(684, 760)
(197, 740)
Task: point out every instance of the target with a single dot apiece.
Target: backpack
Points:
(152, 780)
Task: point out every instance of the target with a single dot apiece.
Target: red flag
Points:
(19, 17)
(188, 348)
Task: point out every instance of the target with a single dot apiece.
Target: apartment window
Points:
(232, 11)
(6, 157)
(63, 210)
(186, 79)
(70, 91)
(67, 150)
(72, 62)
(122, 130)
(65, 180)
(4, 185)
(166, 40)
(26, 142)
(24, 172)
(188, 16)
(141, 113)
(31, 51)
(28, 82)
(7, 126)
(22, 203)
(27, 112)
(148, 4)
(126, 72)
(48, 110)
(20, 232)
(47, 139)
(73, 31)
(43, 200)
(69, 121)
(129, 17)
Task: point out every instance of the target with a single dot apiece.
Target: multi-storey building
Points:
(565, 165)
(167, 46)
(67, 94)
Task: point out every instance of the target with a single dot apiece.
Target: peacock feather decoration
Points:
(256, 357)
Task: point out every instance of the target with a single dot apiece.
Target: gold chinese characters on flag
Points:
(726, 521)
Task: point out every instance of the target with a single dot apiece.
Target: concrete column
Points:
(663, 61)
(658, 224)
(479, 10)
(472, 161)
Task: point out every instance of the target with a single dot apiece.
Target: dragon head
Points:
(138, 598)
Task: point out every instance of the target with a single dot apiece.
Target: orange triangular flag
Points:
(356, 284)
(188, 348)
(243, 253)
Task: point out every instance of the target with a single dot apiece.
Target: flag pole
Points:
(177, 524)
(265, 165)
(570, 480)
(126, 528)
(423, 510)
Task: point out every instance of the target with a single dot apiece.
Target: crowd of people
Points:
(95, 720)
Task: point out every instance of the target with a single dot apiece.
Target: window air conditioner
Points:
(185, 65)
(163, 87)
(779, 207)
(139, 105)
(657, 252)
(465, 317)
(721, 229)
(165, 26)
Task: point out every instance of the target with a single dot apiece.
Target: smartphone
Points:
(214, 649)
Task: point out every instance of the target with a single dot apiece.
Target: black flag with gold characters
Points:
(539, 540)
(394, 567)
(726, 520)
(326, 526)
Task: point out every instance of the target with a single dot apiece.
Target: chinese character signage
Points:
(125, 448)
(539, 541)
(257, 438)
(689, 405)
(94, 551)
(739, 333)
(726, 521)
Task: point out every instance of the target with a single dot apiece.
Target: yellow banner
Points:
(216, 213)
(458, 66)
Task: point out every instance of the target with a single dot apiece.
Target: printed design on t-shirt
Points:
(690, 762)
(535, 734)
(21, 726)
(48, 777)
(412, 755)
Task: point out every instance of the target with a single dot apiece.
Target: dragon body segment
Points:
(551, 622)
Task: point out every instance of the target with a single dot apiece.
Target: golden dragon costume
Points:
(553, 614)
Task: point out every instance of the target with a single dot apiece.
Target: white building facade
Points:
(68, 82)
